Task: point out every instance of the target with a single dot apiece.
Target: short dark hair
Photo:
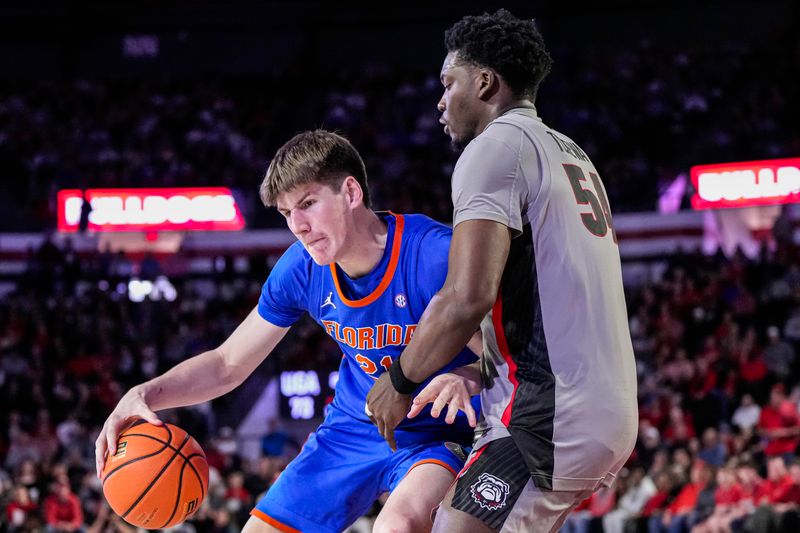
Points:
(317, 156)
(511, 46)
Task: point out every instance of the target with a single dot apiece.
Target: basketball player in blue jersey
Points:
(366, 278)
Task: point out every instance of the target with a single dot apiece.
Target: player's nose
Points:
(298, 223)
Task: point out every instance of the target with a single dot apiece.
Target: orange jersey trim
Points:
(274, 523)
(387, 276)
(431, 461)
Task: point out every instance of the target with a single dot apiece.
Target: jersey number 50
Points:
(599, 220)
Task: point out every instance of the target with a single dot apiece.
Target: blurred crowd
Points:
(716, 344)
(72, 342)
(715, 338)
(645, 111)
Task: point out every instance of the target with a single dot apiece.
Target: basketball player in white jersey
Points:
(533, 261)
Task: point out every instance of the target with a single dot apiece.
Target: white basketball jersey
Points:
(558, 368)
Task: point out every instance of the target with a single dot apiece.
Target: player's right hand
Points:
(446, 390)
(130, 408)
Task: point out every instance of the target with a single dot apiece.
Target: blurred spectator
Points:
(791, 329)
(44, 440)
(149, 267)
(728, 497)
(778, 487)
(780, 501)
(778, 355)
(222, 452)
(713, 451)
(752, 484)
(638, 490)
(107, 521)
(752, 368)
(679, 428)
(276, 441)
(225, 442)
(655, 505)
(20, 510)
(690, 505)
(238, 501)
(747, 414)
(779, 425)
(783, 231)
(258, 481)
(20, 451)
(223, 523)
(62, 510)
(590, 511)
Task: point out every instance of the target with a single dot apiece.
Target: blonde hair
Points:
(317, 156)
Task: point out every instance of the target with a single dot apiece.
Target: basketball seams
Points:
(196, 473)
(187, 462)
(168, 445)
(141, 422)
(187, 458)
(126, 435)
(132, 461)
(162, 486)
(177, 496)
(155, 478)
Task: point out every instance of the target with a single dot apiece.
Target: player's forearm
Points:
(215, 372)
(196, 380)
(448, 324)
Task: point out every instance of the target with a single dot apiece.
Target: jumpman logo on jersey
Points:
(328, 301)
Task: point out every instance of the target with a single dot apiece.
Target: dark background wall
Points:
(57, 39)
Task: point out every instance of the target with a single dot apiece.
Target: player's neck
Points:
(366, 246)
(523, 104)
(503, 106)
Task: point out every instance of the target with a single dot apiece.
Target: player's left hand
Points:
(388, 407)
(449, 390)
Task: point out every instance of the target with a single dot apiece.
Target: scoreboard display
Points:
(305, 393)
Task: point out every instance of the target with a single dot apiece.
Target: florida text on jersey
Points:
(372, 318)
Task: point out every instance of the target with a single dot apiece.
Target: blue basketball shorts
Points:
(343, 468)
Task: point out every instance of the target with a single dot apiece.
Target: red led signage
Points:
(167, 209)
(774, 181)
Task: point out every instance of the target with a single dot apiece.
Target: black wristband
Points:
(400, 382)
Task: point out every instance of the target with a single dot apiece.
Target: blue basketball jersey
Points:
(372, 318)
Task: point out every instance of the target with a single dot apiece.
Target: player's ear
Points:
(353, 192)
(488, 83)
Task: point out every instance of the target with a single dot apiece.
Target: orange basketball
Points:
(158, 476)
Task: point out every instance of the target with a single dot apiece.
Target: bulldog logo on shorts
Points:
(489, 492)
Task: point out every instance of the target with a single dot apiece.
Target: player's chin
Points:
(318, 253)
(321, 257)
(460, 140)
(457, 143)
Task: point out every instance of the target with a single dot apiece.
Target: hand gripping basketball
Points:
(157, 477)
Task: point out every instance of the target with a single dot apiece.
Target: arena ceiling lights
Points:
(150, 209)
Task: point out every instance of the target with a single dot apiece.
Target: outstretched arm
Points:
(198, 379)
(478, 254)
